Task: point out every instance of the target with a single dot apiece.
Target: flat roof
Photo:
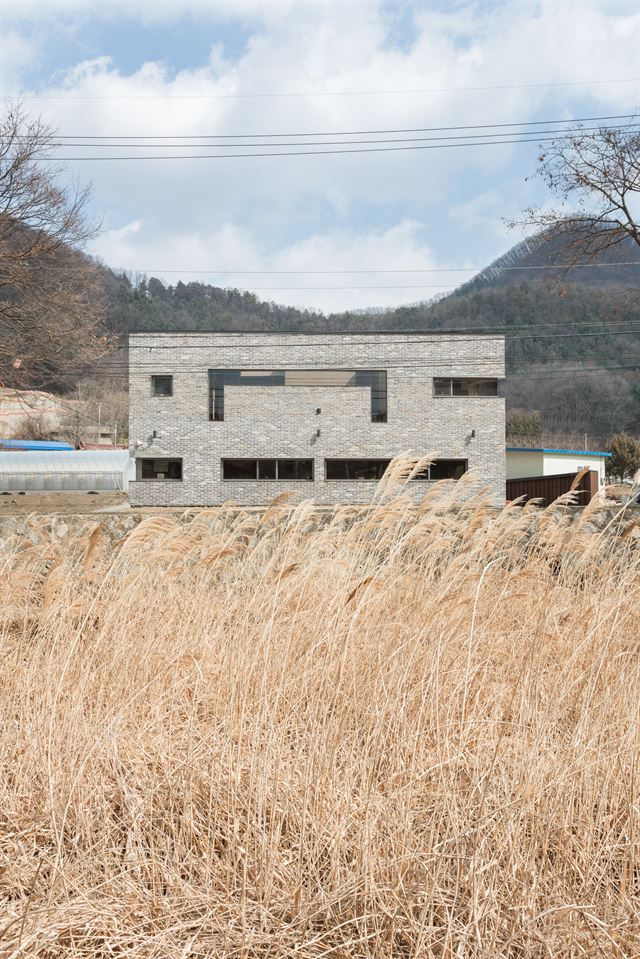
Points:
(493, 336)
(544, 449)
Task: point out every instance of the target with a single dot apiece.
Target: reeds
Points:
(393, 732)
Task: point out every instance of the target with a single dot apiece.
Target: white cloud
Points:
(17, 52)
(265, 211)
(226, 255)
(145, 11)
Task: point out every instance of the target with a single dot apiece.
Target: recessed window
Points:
(465, 386)
(299, 470)
(360, 469)
(443, 469)
(159, 469)
(374, 469)
(373, 380)
(240, 469)
(162, 385)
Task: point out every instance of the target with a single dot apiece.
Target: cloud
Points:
(327, 63)
(226, 256)
(17, 52)
(144, 11)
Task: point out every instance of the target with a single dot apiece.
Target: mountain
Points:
(549, 256)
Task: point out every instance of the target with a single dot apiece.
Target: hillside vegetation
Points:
(377, 733)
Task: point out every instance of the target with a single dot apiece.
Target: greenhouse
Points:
(36, 470)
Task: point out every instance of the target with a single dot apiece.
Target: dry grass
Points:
(390, 733)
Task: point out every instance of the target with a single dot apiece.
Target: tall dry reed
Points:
(392, 732)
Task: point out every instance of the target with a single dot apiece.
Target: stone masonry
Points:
(273, 422)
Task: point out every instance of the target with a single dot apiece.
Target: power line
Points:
(429, 337)
(434, 338)
(344, 133)
(441, 269)
(471, 334)
(434, 369)
(468, 138)
(236, 156)
(321, 93)
(308, 289)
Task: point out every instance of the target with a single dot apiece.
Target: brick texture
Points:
(262, 421)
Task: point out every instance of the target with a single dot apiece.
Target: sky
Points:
(332, 232)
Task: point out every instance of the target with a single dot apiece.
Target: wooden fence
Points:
(549, 488)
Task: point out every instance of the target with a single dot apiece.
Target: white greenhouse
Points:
(32, 470)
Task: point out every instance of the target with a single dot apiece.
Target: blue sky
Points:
(140, 68)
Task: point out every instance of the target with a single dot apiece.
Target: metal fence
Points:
(549, 488)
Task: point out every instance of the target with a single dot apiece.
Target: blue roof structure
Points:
(541, 449)
(34, 445)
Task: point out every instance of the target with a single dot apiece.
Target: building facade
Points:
(241, 417)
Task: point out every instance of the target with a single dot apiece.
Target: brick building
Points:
(243, 416)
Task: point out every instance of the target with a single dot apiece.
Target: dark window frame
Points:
(465, 379)
(140, 469)
(375, 380)
(161, 376)
(266, 459)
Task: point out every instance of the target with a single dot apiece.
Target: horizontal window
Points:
(355, 469)
(373, 380)
(443, 469)
(465, 386)
(268, 469)
(159, 469)
(374, 469)
(162, 385)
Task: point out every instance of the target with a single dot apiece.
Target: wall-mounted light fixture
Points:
(472, 434)
(317, 432)
(318, 410)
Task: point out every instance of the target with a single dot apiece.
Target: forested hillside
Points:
(573, 336)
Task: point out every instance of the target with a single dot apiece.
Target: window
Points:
(239, 469)
(370, 469)
(268, 469)
(443, 469)
(355, 469)
(373, 380)
(465, 386)
(162, 385)
(295, 470)
(159, 469)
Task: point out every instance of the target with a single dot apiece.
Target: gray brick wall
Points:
(282, 421)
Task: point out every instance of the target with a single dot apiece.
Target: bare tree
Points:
(596, 178)
(50, 291)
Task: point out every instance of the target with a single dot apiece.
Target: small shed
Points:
(529, 462)
(68, 471)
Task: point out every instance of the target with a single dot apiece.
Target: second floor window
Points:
(465, 386)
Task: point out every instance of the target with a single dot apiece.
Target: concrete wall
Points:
(555, 463)
(282, 421)
(521, 464)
